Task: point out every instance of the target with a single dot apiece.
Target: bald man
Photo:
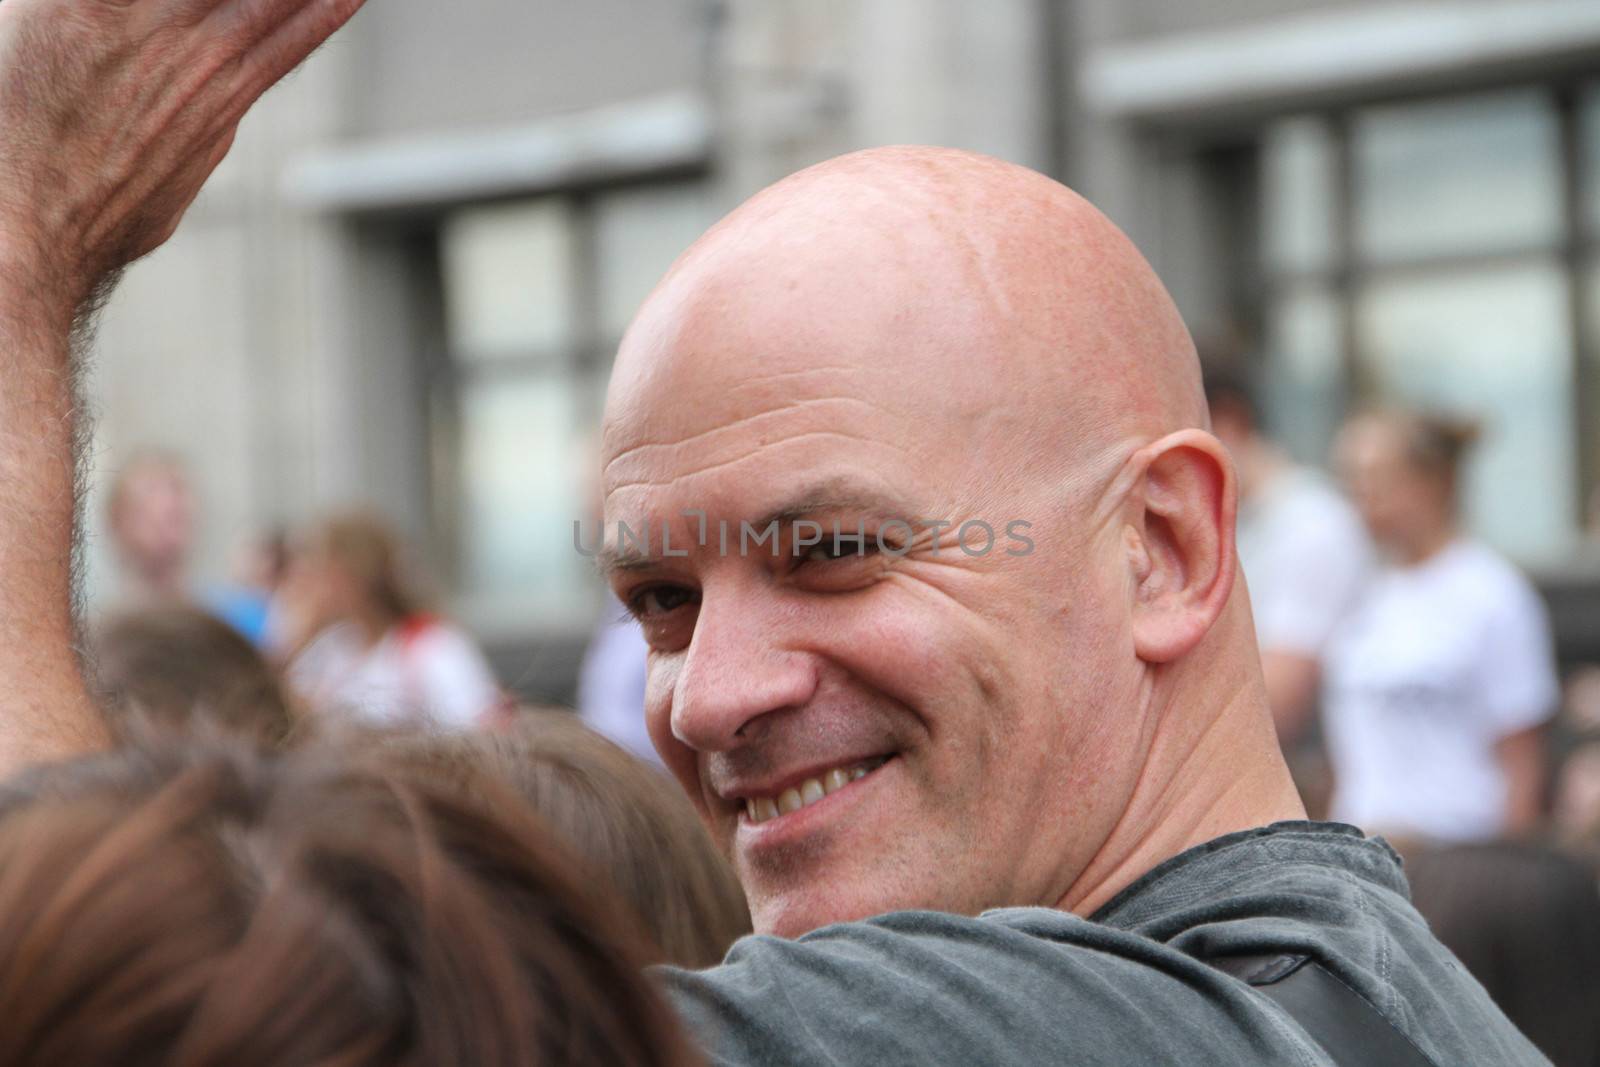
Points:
(994, 800)
(1003, 806)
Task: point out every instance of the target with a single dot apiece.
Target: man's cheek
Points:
(661, 678)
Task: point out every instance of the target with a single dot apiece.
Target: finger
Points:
(262, 63)
(308, 24)
(252, 21)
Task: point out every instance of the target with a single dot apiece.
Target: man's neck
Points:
(1213, 768)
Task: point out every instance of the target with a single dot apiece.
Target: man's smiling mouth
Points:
(804, 794)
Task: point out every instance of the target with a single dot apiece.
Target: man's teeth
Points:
(760, 809)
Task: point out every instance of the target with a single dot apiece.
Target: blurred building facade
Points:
(405, 285)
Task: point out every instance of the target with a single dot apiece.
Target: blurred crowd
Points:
(292, 742)
(1413, 679)
(335, 609)
(1411, 668)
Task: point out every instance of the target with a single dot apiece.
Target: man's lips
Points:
(733, 784)
(802, 790)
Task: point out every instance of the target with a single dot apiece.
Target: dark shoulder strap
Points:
(1350, 1029)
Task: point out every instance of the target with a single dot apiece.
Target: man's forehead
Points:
(977, 331)
(813, 453)
(796, 294)
(719, 409)
(800, 381)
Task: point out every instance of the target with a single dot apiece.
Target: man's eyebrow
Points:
(612, 560)
(833, 496)
(827, 496)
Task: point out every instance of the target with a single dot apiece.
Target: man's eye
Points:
(839, 549)
(661, 600)
(846, 546)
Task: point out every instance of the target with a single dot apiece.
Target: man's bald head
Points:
(1010, 299)
(910, 345)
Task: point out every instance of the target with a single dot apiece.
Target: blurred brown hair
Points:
(365, 548)
(177, 667)
(1436, 443)
(624, 817)
(191, 907)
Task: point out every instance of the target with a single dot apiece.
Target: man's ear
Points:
(1180, 542)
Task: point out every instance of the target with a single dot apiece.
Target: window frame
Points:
(1347, 273)
(585, 360)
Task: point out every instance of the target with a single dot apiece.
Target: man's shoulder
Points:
(1134, 983)
(1332, 862)
(1019, 986)
(1327, 892)
(1013, 985)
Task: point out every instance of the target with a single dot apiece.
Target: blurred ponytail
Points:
(1437, 443)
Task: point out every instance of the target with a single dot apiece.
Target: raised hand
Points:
(114, 112)
(112, 115)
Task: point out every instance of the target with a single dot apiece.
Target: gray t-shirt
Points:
(1037, 986)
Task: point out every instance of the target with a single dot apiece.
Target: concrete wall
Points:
(803, 80)
(427, 66)
(1123, 20)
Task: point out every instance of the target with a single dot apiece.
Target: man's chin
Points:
(793, 922)
(796, 912)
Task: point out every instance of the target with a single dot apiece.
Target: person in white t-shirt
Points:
(1440, 681)
(359, 646)
(1303, 550)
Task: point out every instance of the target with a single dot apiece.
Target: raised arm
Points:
(112, 115)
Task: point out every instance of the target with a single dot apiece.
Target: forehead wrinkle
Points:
(705, 439)
(744, 422)
(679, 476)
(768, 377)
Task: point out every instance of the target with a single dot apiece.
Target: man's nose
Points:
(739, 667)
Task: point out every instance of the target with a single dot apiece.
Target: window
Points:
(1435, 253)
(536, 296)
(1459, 176)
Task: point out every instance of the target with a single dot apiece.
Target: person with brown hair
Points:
(627, 819)
(1439, 682)
(359, 642)
(178, 668)
(208, 907)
